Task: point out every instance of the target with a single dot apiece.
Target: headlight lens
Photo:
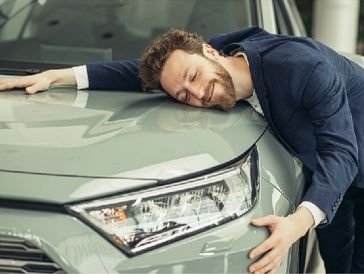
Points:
(146, 219)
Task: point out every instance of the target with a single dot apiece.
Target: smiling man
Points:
(311, 96)
(196, 86)
(193, 72)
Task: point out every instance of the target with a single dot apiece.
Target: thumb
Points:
(34, 88)
(264, 221)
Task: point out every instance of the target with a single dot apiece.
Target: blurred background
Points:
(60, 33)
(337, 23)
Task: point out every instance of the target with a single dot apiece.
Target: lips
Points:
(209, 92)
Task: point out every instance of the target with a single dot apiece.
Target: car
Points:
(131, 182)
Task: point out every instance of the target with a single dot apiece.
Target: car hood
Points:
(355, 58)
(89, 143)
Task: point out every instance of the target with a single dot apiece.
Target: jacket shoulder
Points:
(220, 41)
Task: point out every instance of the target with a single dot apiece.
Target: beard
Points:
(227, 99)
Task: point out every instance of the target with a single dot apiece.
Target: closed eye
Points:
(194, 77)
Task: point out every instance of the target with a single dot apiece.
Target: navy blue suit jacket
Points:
(311, 96)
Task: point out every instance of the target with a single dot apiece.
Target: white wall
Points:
(335, 23)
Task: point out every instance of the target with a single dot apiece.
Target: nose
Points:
(197, 90)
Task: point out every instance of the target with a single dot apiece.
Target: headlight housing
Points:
(140, 221)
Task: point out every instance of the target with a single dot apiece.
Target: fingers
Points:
(268, 262)
(262, 248)
(269, 268)
(274, 270)
(38, 86)
(19, 82)
(32, 84)
(275, 247)
(265, 221)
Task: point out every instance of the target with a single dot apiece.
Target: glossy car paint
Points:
(43, 174)
(161, 139)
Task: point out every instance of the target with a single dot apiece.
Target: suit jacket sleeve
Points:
(114, 75)
(325, 101)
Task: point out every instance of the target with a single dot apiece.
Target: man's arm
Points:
(324, 100)
(114, 75)
(123, 75)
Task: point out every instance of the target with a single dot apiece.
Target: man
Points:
(311, 97)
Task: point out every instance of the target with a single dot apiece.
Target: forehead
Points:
(176, 66)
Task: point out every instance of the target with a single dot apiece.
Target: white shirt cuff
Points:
(318, 215)
(81, 77)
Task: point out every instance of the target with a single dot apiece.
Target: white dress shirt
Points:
(81, 77)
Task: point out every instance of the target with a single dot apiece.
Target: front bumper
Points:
(77, 248)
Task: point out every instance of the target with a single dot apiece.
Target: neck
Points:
(238, 68)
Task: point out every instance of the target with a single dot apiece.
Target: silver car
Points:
(128, 182)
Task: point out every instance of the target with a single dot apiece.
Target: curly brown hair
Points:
(156, 54)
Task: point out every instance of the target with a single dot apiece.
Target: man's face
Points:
(198, 81)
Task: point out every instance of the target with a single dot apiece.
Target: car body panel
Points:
(55, 139)
(292, 180)
(62, 189)
(78, 249)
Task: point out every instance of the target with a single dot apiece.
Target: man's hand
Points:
(32, 83)
(284, 232)
(40, 82)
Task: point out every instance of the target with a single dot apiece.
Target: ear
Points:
(209, 51)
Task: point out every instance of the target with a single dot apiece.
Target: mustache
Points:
(206, 99)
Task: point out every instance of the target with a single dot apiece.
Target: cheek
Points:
(222, 89)
(207, 77)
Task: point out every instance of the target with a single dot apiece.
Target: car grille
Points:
(21, 256)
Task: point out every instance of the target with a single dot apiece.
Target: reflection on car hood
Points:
(103, 136)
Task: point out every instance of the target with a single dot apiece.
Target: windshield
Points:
(84, 31)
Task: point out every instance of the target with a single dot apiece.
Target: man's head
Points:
(188, 69)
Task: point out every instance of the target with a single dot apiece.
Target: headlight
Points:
(143, 220)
